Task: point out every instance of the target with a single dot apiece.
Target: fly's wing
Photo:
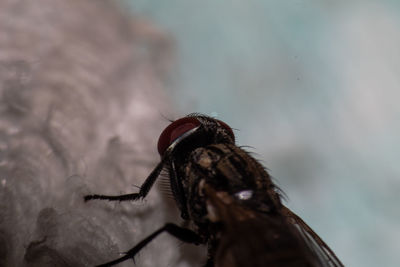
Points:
(251, 238)
(263, 241)
(318, 247)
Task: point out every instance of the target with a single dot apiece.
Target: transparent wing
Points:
(320, 249)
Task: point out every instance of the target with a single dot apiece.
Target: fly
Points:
(230, 199)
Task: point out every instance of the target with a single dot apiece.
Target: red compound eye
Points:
(175, 130)
(226, 127)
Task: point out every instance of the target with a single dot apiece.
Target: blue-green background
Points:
(313, 86)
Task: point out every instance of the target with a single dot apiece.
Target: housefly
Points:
(230, 200)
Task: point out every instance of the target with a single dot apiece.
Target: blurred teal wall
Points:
(313, 86)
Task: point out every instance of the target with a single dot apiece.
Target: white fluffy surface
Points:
(80, 111)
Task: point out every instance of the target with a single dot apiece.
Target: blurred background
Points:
(313, 86)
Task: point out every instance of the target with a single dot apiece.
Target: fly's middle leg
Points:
(183, 234)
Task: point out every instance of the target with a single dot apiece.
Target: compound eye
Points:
(227, 128)
(175, 130)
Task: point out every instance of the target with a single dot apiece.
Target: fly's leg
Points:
(212, 248)
(144, 189)
(183, 234)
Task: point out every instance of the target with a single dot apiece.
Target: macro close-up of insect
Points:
(104, 163)
(229, 199)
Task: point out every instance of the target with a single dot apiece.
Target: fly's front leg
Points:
(144, 189)
(183, 234)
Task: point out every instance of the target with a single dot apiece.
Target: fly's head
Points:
(188, 133)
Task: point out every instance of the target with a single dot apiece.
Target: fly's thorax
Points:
(199, 169)
(228, 170)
